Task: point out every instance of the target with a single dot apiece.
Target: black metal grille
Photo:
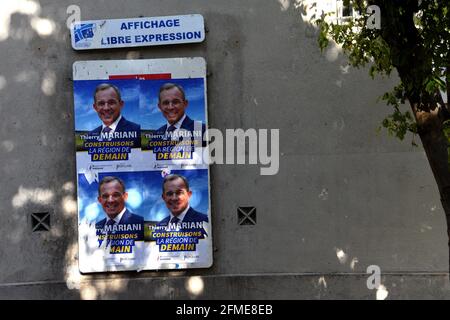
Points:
(246, 215)
(40, 221)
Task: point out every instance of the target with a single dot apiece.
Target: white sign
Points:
(137, 32)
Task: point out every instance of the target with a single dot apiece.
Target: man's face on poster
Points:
(172, 104)
(112, 198)
(176, 196)
(108, 105)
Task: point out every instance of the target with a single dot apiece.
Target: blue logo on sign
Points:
(84, 32)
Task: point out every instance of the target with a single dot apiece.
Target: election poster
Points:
(143, 181)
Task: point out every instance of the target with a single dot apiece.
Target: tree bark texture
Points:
(414, 65)
(435, 144)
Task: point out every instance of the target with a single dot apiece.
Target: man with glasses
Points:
(108, 104)
(176, 194)
(119, 220)
(172, 103)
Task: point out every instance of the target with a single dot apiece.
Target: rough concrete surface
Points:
(345, 197)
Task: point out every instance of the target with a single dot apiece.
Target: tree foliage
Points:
(414, 39)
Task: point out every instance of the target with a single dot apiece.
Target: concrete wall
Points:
(341, 186)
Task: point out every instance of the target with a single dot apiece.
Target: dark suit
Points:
(123, 126)
(187, 124)
(127, 218)
(191, 216)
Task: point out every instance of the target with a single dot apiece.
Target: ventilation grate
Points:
(246, 216)
(40, 221)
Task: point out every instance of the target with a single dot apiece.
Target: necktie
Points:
(174, 220)
(107, 130)
(109, 232)
(172, 128)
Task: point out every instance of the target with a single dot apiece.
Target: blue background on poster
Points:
(86, 117)
(140, 101)
(144, 194)
(152, 117)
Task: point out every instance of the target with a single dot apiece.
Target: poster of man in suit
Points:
(176, 132)
(143, 189)
(108, 104)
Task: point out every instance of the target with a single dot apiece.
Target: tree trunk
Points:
(435, 144)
